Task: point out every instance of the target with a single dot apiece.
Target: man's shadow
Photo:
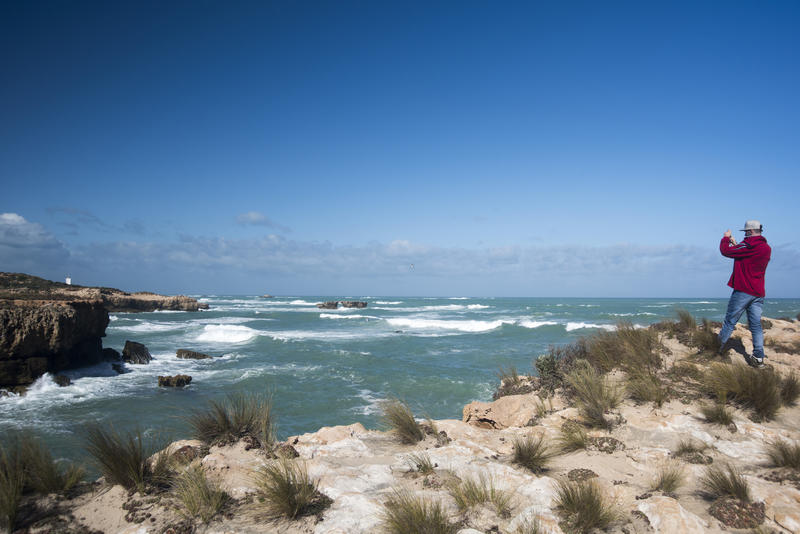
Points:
(735, 344)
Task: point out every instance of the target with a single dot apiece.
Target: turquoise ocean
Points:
(325, 367)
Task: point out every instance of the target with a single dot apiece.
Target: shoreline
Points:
(358, 468)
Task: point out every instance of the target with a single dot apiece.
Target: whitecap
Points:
(460, 325)
(112, 318)
(536, 324)
(477, 306)
(337, 316)
(578, 326)
(148, 327)
(230, 333)
(388, 302)
(459, 298)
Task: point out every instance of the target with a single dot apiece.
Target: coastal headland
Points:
(640, 430)
(50, 326)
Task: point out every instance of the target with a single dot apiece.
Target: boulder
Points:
(111, 355)
(177, 381)
(62, 380)
(135, 353)
(331, 305)
(511, 411)
(120, 368)
(37, 337)
(353, 304)
(186, 354)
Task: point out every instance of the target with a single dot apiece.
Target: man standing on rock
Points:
(750, 259)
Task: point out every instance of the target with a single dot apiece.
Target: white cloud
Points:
(256, 218)
(28, 246)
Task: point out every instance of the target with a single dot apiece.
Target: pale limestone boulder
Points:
(350, 514)
(505, 412)
(233, 468)
(668, 516)
(782, 502)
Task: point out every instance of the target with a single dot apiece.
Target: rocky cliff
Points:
(18, 286)
(47, 336)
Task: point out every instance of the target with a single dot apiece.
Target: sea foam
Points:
(227, 333)
(459, 325)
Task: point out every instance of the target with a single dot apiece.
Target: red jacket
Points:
(750, 259)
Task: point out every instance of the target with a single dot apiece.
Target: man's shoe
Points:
(754, 361)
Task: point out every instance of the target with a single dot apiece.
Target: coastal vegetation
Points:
(669, 478)
(400, 419)
(404, 512)
(583, 507)
(784, 454)
(471, 491)
(531, 452)
(286, 490)
(724, 480)
(199, 497)
(238, 416)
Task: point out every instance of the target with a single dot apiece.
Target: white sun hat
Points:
(752, 225)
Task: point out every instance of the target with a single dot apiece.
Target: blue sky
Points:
(516, 148)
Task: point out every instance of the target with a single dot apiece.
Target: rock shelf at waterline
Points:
(356, 471)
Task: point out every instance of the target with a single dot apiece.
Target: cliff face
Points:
(17, 286)
(48, 336)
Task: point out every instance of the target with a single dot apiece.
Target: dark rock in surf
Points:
(186, 354)
(353, 304)
(136, 353)
(62, 380)
(177, 381)
(332, 305)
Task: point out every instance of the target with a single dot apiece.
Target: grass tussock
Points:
(404, 513)
(717, 414)
(634, 350)
(583, 507)
(472, 491)
(790, 389)
(398, 417)
(530, 526)
(532, 453)
(784, 454)
(420, 462)
(572, 437)
(595, 396)
(705, 338)
(286, 490)
(124, 459)
(669, 478)
(686, 322)
(724, 480)
(689, 447)
(647, 388)
(508, 377)
(199, 497)
(237, 416)
(756, 389)
(27, 467)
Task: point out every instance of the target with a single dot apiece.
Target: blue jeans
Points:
(738, 304)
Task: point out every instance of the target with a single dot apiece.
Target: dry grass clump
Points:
(784, 454)
(790, 389)
(239, 415)
(531, 452)
(595, 396)
(508, 376)
(724, 480)
(647, 388)
(472, 491)
(403, 513)
(635, 350)
(757, 389)
(398, 417)
(124, 459)
(689, 447)
(511, 383)
(717, 413)
(792, 347)
(583, 507)
(572, 437)
(27, 467)
(199, 497)
(557, 363)
(706, 339)
(686, 322)
(286, 490)
(530, 526)
(683, 370)
(669, 478)
(420, 462)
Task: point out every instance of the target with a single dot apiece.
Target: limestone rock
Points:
(37, 337)
(667, 515)
(135, 353)
(191, 355)
(177, 381)
(505, 412)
